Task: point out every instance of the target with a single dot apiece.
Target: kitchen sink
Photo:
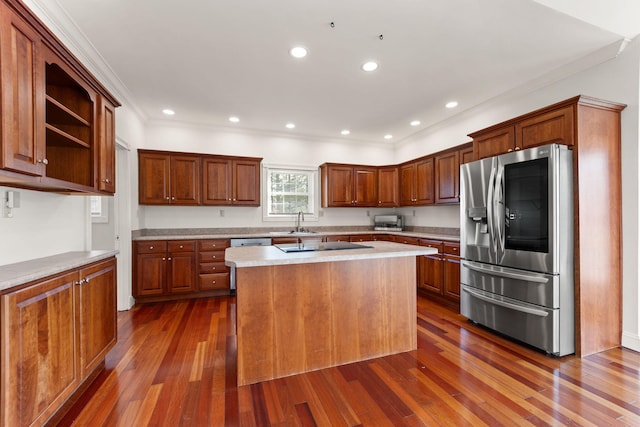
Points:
(293, 233)
(320, 246)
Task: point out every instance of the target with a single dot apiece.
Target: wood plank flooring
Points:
(175, 365)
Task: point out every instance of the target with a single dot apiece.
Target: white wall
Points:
(44, 224)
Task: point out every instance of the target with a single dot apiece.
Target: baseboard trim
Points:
(631, 341)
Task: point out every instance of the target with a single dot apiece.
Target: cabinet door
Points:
(388, 186)
(365, 186)
(106, 147)
(97, 320)
(216, 181)
(466, 155)
(499, 141)
(153, 178)
(39, 365)
(246, 182)
(340, 186)
(151, 271)
(431, 273)
(424, 183)
(451, 277)
(22, 92)
(185, 180)
(407, 184)
(447, 178)
(554, 127)
(181, 275)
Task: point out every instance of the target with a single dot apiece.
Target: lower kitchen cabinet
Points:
(439, 274)
(214, 274)
(54, 334)
(171, 269)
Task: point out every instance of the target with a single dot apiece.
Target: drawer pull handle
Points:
(150, 247)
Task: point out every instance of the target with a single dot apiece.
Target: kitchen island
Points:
(302, 311)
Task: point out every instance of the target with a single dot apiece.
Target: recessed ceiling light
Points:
(388, 136)
(415, 123)
(345, 132)
(452, 104)
(298, 52)
(234, 119)
(370, 66)
(290, 125)
(168, 112)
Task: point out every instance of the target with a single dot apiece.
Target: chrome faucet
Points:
(299, 221)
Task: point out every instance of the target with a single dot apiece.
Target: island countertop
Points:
(258, 256)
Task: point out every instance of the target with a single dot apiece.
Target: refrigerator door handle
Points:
(499, 212)
(511, 306)
(507, 274)
(490, 210)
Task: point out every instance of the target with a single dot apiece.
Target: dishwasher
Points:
(234, 243)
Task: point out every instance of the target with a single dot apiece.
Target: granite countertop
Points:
(257, 256)
(230, 233)
(12, 275)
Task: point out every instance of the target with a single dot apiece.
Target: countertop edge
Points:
(420, 235)
(263, 256)
(13, 275)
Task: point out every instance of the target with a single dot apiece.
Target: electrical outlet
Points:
(368, 213)
(221, 212)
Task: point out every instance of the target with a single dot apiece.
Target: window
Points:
(98, 210)
(289, 190)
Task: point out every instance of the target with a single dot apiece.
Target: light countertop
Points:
(186, 234)
(12, 275)
(258, 256)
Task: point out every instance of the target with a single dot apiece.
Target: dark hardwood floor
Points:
(175, 362)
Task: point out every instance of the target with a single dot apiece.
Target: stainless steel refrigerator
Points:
(516, 244)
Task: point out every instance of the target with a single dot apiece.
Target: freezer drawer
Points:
(540, 327)
(535, 288)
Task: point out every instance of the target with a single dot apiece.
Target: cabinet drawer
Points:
(182, 246)
(213, 267)
(407, 240)
(151, 247)
(214, 281)
(452, 248)
(213, 244)
(362, 238)
(213, 256)
(433, 244)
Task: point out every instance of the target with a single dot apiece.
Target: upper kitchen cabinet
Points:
(22, 91)
(388, 185)
(168, 178)
(349, 185)
(447, 173)
(51, 137)
(231, 180)
(551, 125)
(416, 182)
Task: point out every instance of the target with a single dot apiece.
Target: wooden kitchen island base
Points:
(295, 318)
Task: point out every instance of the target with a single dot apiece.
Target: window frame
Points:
(267, 169)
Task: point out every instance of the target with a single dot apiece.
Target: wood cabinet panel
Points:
(106, 147)
(246, 182)
(216, 181)
(349, 185)
(447, 178)
(553, 127)
(185, 180)
(388, 186)
(151, 270)
(231, 181)
(154, 178)
(495, 142)
(97, 312)
(416, 183)
(39, 365)
(22, 92)
(181, 273)
(54, 335)
(466, 154)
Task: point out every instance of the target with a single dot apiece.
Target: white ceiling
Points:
(210, 59)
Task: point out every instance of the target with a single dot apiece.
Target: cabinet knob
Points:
(235, 200)
(167, 197)
(229, 199)
(181, 246)
(213, 256)
(173, 198)
(164, 259)
(509, 150)
(213, 282)
(213, 268)
(517, 148)
(169, 259)
(43, 161)
(106, 181)
(150, 247)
